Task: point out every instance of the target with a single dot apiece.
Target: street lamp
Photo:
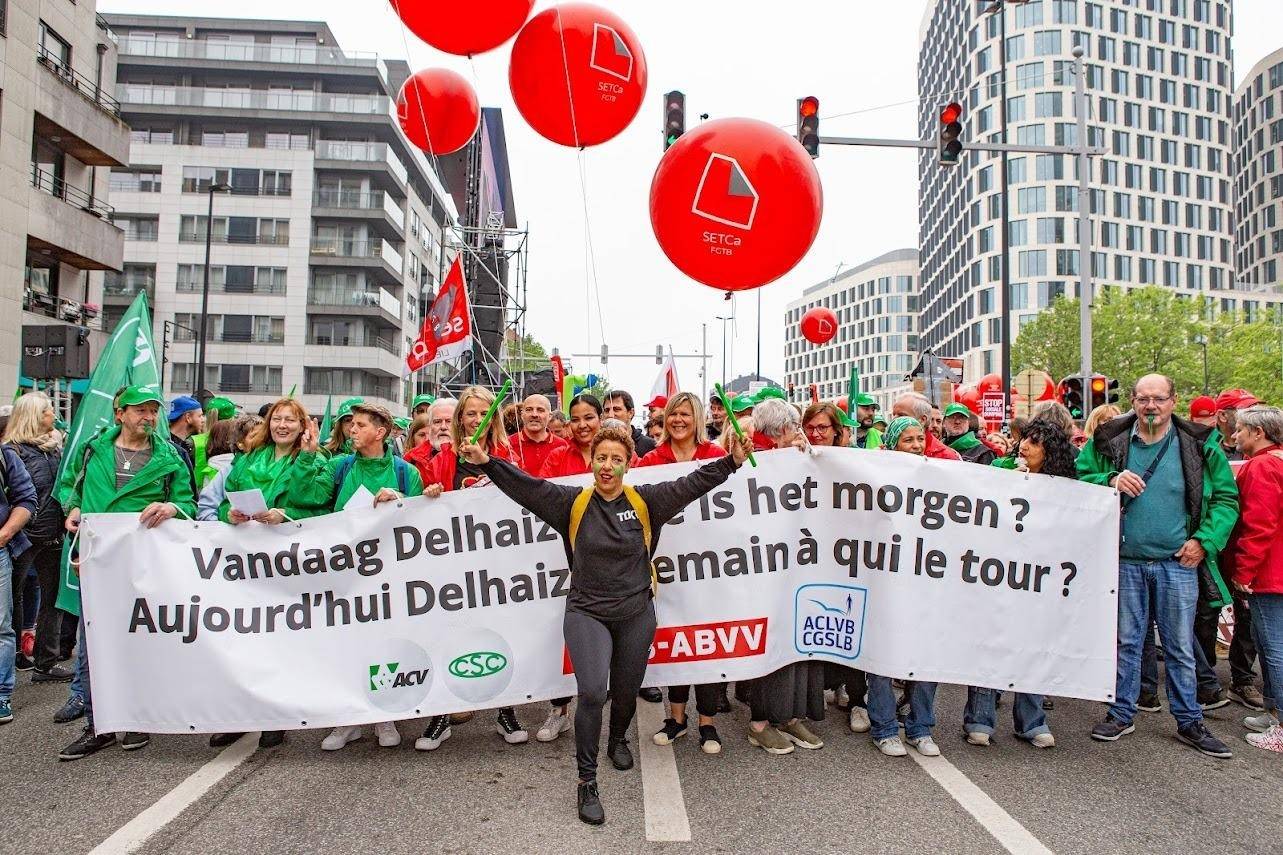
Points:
(203, 394)
(1201, 341)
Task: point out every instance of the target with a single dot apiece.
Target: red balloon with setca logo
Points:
(438, 110)
(577, 74)
(463, 28)
(735, 203)
(819, 325)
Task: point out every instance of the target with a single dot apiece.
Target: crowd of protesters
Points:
(1201, 517)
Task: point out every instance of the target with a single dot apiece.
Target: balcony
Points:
(224, 52)
(367, 340)
(87, 124)
(365, 157)
(62, 309)
(70, 225)
(255, 337)
(346, 103)
(247, 387)
(376, 303)
(344, 382)
(375, 255)
(243, 240)
(378, 209)
(264, 288)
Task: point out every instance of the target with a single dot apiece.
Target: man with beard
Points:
(866, 435)
(959, 436)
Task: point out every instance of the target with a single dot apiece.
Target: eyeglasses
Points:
(819, 428)
(1152, 399)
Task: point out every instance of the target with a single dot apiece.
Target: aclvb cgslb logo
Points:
(829, 618)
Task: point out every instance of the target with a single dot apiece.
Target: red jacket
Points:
(664, 454)
(445, 464)
(421, 456)
(762, 442)
(1254, 554)
(530, 455)
(568, 460)
(937, 449)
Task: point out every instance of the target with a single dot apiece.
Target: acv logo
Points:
(387, 676)
(483, 663)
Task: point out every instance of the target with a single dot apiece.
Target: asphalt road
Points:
(1146, 794)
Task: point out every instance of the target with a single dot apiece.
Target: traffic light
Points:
(674, 117)
(1070, 393)
(1103, 391)
(808, 124)
(949, 144)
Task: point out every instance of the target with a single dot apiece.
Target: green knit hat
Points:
(402, 422)
(769, 392)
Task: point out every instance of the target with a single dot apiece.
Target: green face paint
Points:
(620, 470)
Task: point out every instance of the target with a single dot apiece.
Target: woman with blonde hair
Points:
(30, 433)
(684, 435)
(448, 471)
(1099, 416)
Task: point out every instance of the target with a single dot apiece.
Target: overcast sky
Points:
(731, 58)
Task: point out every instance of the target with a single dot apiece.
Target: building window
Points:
(53, 48)
(135, 180)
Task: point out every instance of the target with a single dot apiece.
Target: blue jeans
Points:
(1267, 630)
(8, 640)
(80, 683)
(922, 711)
(981, 715)
(1167, 593)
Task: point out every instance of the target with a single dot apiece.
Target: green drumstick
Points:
(730, 414)
(494, 408)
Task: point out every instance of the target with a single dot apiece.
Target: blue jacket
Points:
(18, 492)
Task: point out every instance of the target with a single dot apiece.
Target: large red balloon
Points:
(735, 203)
(463, 28)
(438, 110)
(989, 383)
(577, 74)
(819, 325)
(969, 397)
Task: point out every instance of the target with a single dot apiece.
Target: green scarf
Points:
(966, 442)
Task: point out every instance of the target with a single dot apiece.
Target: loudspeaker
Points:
(55, 350)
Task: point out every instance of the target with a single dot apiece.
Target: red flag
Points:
(447, 328)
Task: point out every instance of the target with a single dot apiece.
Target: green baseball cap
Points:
(878, 418)
(957, 410)
(132, 396)
(402, 422)
(865, 400)
(345, 408)
(770, 392)
(847, 421)
(225, 407)
(740, 403)
(422, 399)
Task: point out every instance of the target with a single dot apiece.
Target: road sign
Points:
(991, 407)
(1032, 384)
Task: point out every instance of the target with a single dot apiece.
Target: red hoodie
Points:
(531, 455)
(1254, 554)
(445, 465)
(664, 454)
(421, 457)
(568, 460)
(937, 449)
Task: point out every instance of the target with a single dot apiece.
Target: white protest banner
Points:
(935, 570)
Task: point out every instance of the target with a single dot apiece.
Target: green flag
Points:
(293, 389)
(852, 389)
(129, 359)
(327, 423)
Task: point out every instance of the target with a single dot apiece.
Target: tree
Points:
(525, 354)
(1152, 329)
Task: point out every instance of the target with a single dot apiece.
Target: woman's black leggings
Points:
(706, 697)
(609, 658)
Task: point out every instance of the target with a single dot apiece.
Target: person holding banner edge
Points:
(130, 468)
(609, 531)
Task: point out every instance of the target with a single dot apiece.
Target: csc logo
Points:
(480, 664)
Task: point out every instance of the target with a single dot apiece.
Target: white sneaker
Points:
(843, 697)
(553, 726)
(859, 720)
(1043, 740)
(891, 746)
(1260, 723)
(975, 737)
(510, 728)
(341, 736)
(389, 736)
(1270, 740)
(437, 731)
(829, 696)
(926, 746)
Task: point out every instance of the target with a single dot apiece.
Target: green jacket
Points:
(872, 440)
(165, 478)
(281, 493)
(200, 460)
(315, 475)
(1211, 494)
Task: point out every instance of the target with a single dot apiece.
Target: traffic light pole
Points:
(1085, 257)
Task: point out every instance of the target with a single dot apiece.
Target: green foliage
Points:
(525, 355)
(1152, 329)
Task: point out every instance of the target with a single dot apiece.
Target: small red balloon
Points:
(463, 28)
(840, 403)
(577, 74)
(1048, 391)
(819, 325)
(735, 203)
(438, 110)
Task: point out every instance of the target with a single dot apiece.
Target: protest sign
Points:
(902, 566)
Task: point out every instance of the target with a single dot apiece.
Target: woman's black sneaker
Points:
(617, 750)
(133, 740)
(670, 732)
(271, 738)
(88, 743)
(56, 674)
(222, 740)
(590, 809)
(1199, 737)
(709, 741)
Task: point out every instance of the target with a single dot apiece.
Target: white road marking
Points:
(133, 834)
(666, 818)
(1013, 836)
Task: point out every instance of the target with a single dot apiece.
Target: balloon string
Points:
(417, 92)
